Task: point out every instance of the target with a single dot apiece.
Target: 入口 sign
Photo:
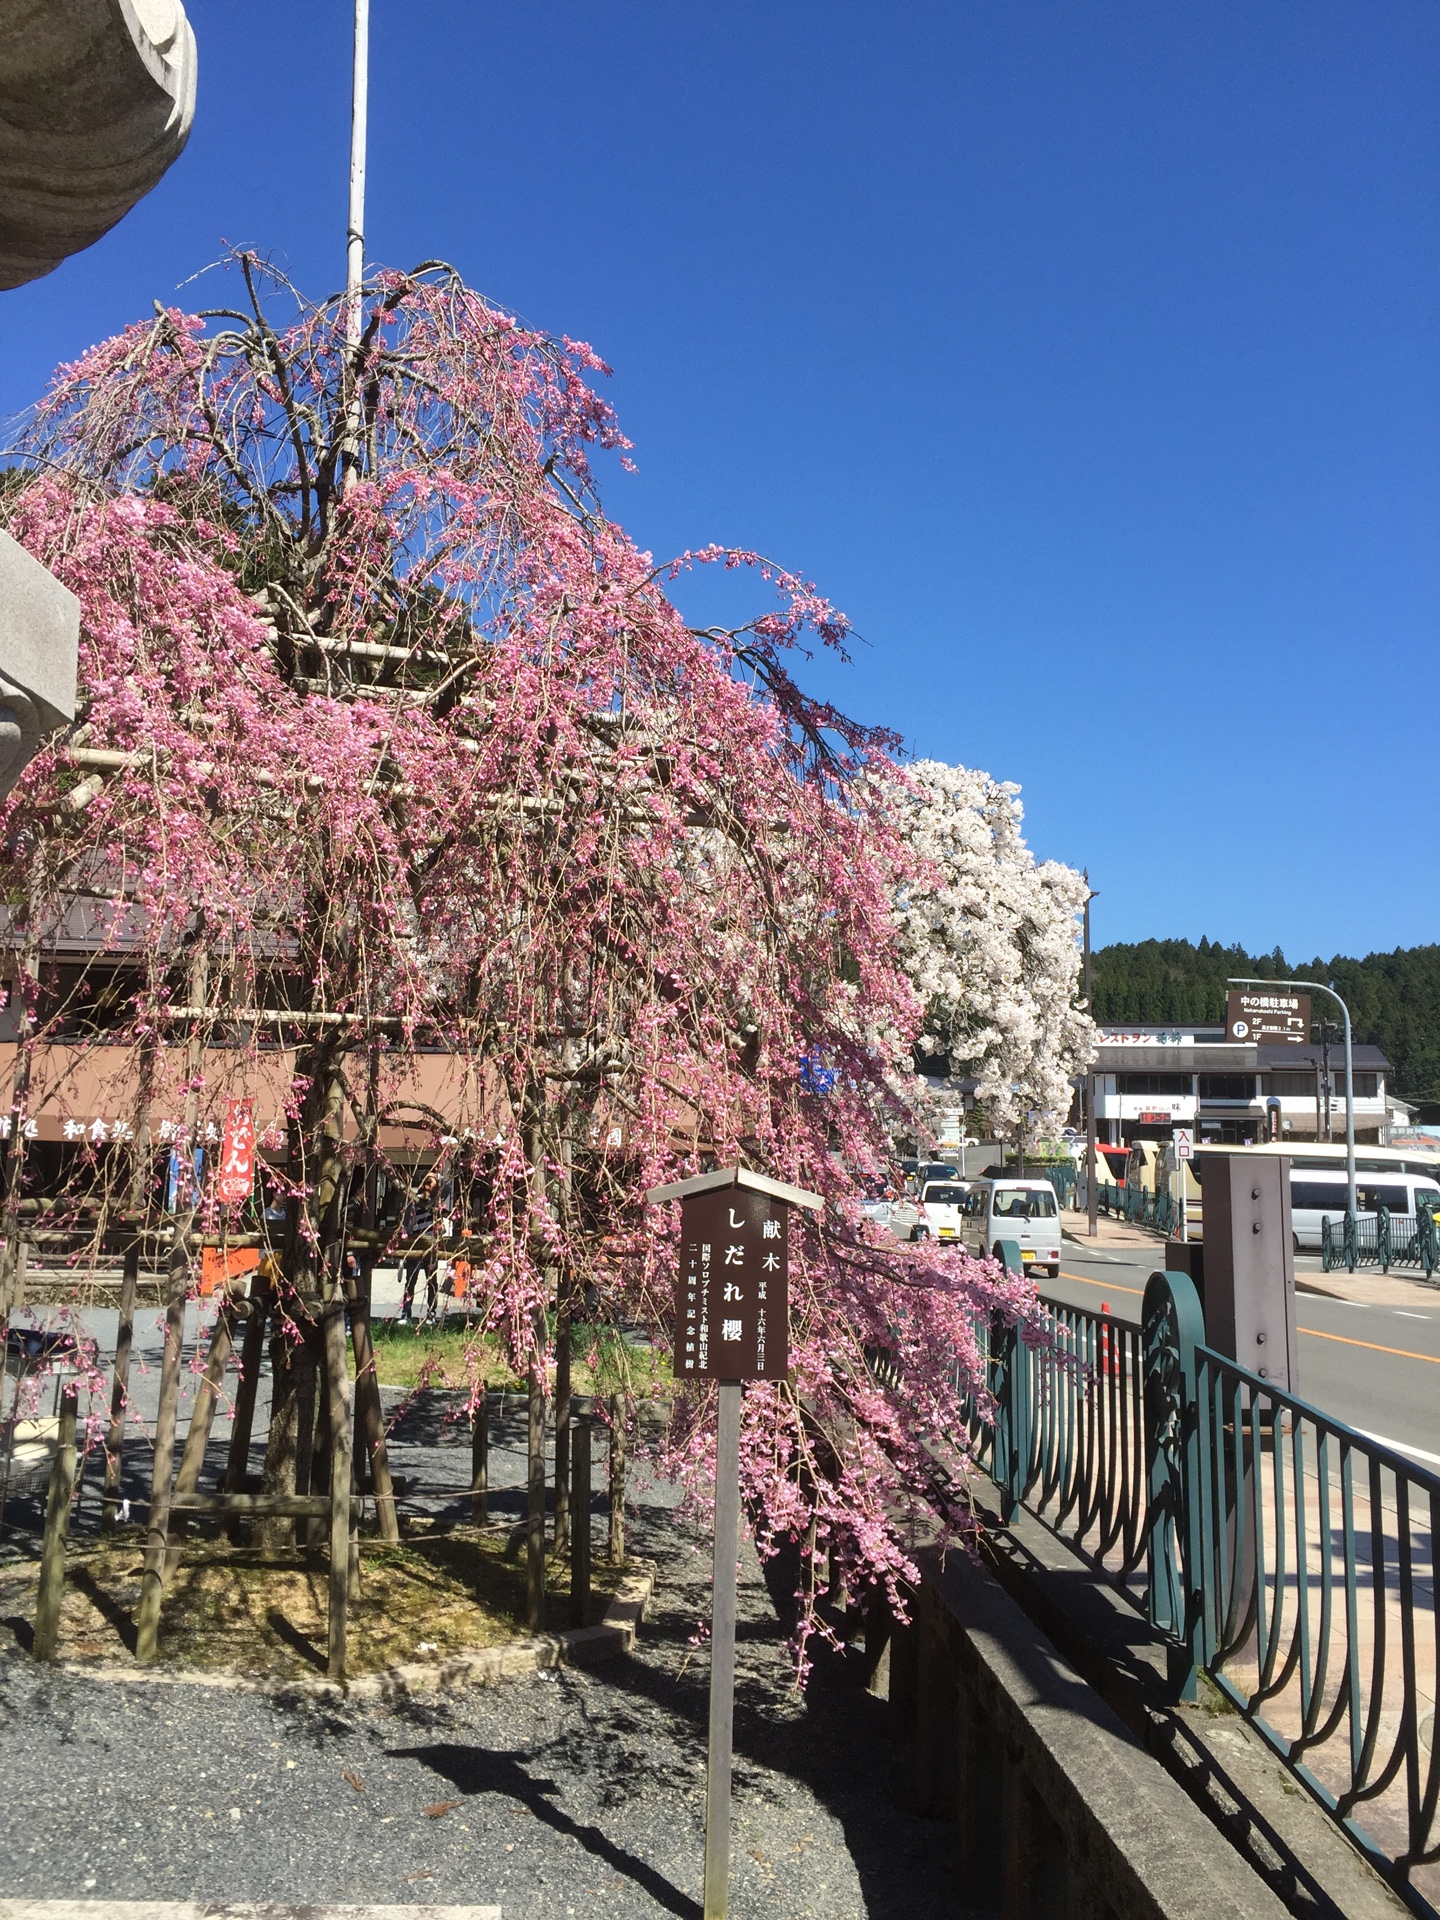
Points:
(1270, 1016)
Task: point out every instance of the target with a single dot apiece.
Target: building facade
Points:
(1150, 1080)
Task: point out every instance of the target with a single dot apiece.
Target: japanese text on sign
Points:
(732, 1306)
(237, 1153)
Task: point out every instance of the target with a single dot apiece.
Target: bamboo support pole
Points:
(480, 1460)
(202, 1419)
(152, 1581)
(535, 1513)
(120, 1390)
(580, 1524)
(617, 1479)
(562, 1426)
(57, 1525)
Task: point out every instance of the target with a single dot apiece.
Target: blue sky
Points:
(1085, 354)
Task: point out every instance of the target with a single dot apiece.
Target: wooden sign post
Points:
(732, 1324)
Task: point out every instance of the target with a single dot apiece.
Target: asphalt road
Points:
(1378, 1368)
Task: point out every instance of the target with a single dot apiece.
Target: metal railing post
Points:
(1173, 1327)
(1010, 1385)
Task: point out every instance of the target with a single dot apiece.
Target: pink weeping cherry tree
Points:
(393, 743)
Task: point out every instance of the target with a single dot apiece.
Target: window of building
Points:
(1227, 1086)
(1295, 1085)
(1169, 1084)
(1367, 1085)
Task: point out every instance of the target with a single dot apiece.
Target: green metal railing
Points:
(1138, 1204)
(1277, 1551)
(1381, 1240)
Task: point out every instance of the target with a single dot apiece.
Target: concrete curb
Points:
(577, 1647)
(202, 1910)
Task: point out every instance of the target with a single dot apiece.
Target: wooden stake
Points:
(57, 1524)
(535, 1515)
(617, 1479)
(119, 1392)
(580, 1523)
(192, 1458)
(562, 1425)
(722, 1653)
(480, 1460)
(369, 1414)
(152, 1581)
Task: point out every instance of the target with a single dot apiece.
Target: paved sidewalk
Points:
(1108, 1232)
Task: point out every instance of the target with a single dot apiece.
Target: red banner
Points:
(237, 1152)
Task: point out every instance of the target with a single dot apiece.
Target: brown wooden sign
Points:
(1267, 1015)
(732, 1287)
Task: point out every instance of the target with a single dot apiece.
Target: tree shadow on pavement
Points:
(475, 1770)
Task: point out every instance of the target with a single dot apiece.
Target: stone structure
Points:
(39, 636)
(96, 101)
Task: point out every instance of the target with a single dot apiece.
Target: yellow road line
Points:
(1104, 1285)
(1343, 1339)
(1402, 1353)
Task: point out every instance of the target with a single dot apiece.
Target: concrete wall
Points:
(1059, 1813)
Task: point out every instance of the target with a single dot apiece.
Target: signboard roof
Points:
(737, 1177)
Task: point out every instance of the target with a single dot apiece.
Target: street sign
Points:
(1267, 1017)
(237, 1153)
(732, 1323)
(1184, 1143)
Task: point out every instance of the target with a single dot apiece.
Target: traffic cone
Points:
(1105, 1336)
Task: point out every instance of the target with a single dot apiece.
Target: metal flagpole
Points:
(355, 231)
(722, 1654)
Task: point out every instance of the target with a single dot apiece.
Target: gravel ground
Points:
(576, 1794)
(581, 1793)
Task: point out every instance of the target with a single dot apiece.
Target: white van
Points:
(941, 1208)
(1318, 1191)
(1021, 1210)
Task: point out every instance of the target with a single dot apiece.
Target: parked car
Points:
(1025, 1211)
(942, 1202)
(1316, 1192)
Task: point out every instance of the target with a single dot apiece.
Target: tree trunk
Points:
(252, 1354)
(369, 1414)
(282, 1443)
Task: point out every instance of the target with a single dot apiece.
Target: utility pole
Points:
(1314, 986)
(1091, 1201)
(355, 230)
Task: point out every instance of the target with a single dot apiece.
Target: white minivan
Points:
(1025, 1211)
(942, 1208)
(1318, 1191)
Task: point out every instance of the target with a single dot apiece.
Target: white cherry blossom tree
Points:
(991, 939)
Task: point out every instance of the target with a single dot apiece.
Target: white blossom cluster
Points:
(991, 940)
